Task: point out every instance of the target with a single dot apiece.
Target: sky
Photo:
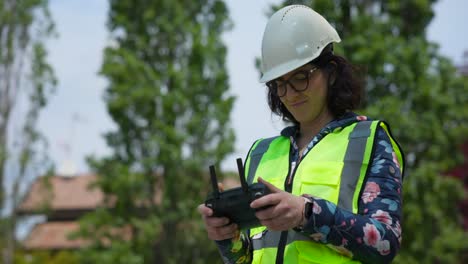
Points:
(76, 118)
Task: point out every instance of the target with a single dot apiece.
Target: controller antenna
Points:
(214, 182)
(240, 167)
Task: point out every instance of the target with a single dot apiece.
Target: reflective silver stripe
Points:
(296, 236)
(256, 156)
(270, 239)
(352, 163)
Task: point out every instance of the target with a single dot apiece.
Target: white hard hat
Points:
(294, 36)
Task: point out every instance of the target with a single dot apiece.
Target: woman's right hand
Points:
(218, 228)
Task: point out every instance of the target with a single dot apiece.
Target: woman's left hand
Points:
(285, 210)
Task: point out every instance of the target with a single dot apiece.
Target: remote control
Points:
(235, 203)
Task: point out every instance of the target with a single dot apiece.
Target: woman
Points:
(335, 177)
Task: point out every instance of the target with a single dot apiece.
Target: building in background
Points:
(63, 200)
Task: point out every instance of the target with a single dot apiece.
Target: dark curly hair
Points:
(345, 86)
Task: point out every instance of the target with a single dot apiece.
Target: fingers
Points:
(218, 228)
(267, 200)
(270, 199)
(269, 213)
(221, 233)
(204, 211)
(270, 186)
(216, 221)
(284, 210)
(209, 219)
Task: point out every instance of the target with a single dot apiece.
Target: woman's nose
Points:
(290, 91)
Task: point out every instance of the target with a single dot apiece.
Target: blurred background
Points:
(111, 112)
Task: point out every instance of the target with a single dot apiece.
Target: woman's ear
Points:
(332, 72)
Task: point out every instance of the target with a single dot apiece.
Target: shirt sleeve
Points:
(374, 234)
(236, 250)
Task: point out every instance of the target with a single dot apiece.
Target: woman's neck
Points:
(309, 130)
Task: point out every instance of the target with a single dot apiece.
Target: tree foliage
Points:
(41, 257)
(167, 94)
(26, 82)
(418, 91)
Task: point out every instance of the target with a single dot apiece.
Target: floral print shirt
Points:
(371, 236)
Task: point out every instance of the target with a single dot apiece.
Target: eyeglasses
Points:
(299, 82)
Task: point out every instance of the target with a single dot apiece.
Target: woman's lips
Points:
(297, 104)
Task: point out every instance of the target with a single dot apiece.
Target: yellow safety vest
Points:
(334, 169)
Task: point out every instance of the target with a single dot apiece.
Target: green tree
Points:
(49, 257)
(26, 82)
(423, 98)
(167, 94)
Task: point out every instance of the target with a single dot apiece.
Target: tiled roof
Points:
(56, 236)
(62, 193)
(53, 235)
(74, 193)
(69, 193)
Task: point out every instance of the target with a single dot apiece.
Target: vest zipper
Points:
(287, 187)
